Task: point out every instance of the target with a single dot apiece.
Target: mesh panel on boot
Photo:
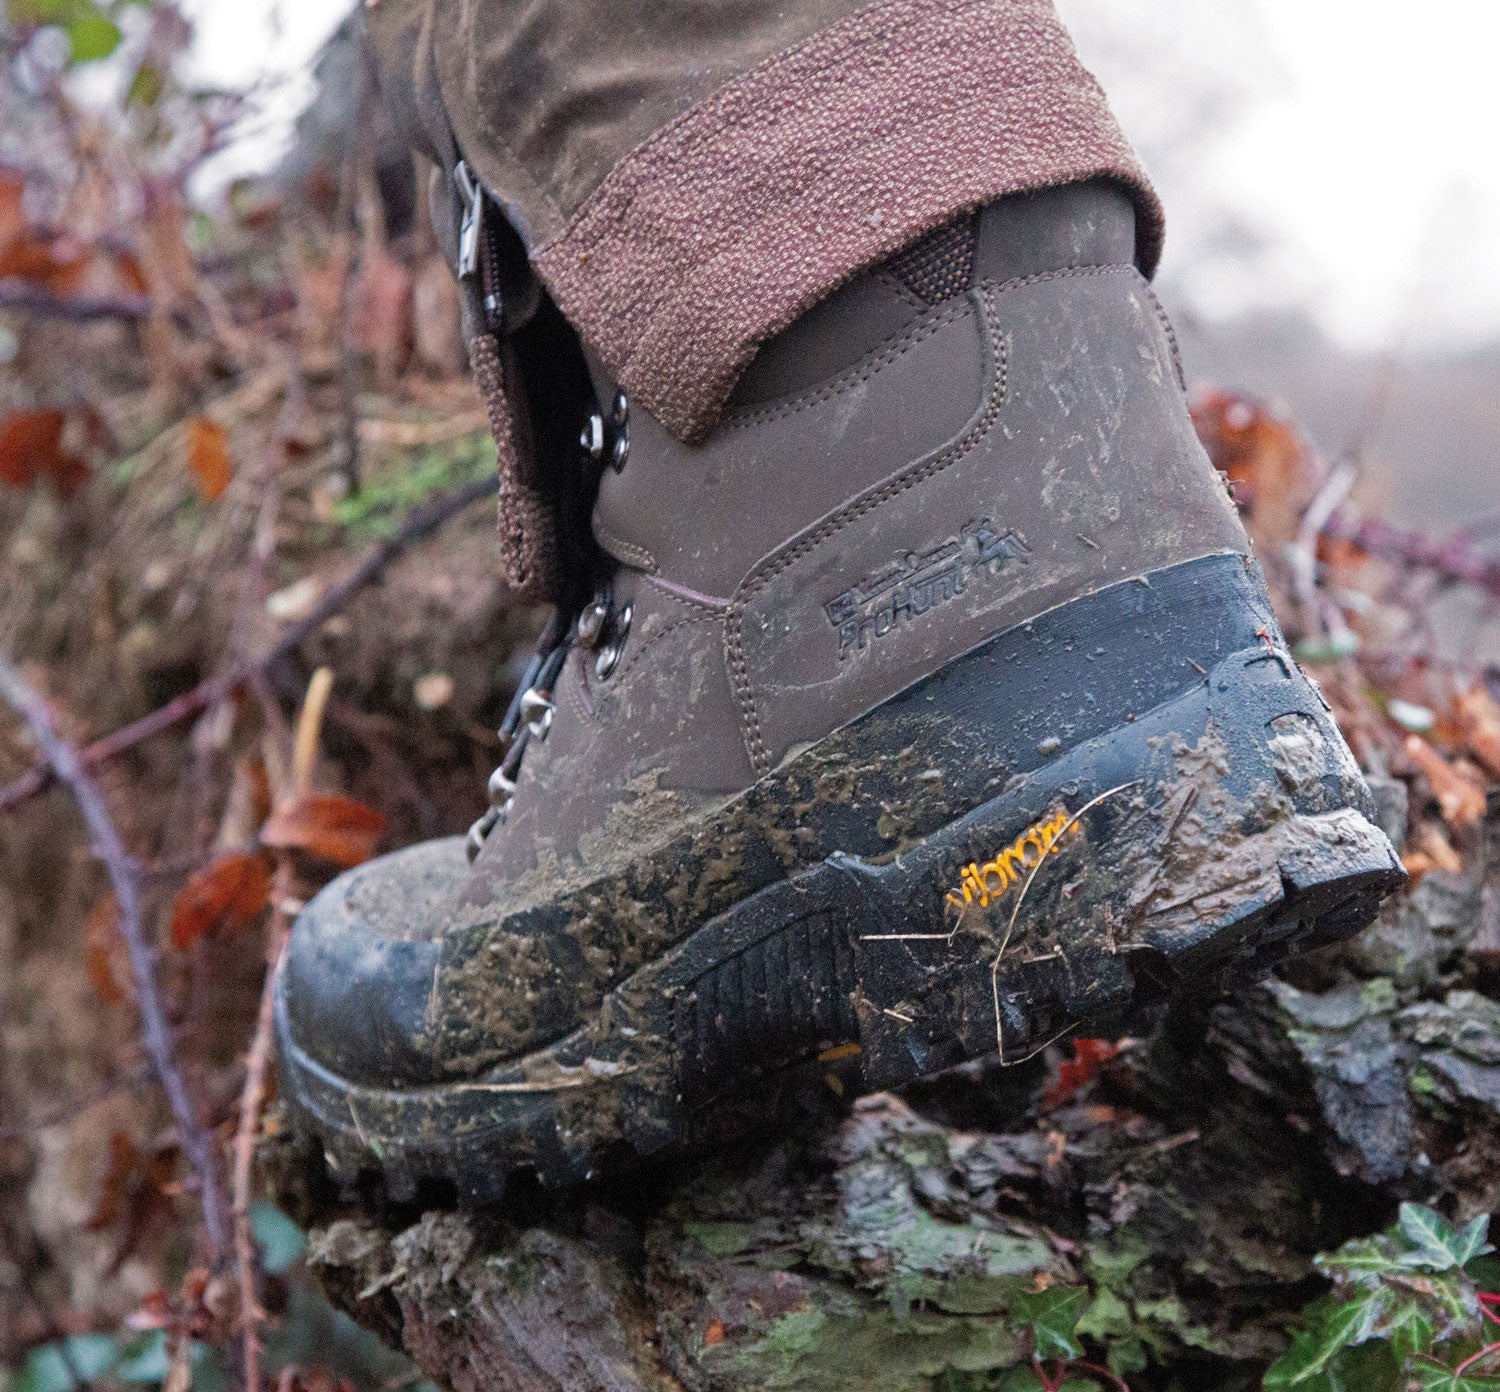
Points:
(941, 265)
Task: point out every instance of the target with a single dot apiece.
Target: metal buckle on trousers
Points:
(471, 222)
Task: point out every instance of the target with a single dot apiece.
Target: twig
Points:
(78, 309)
(257, 1066)
(403, 434)
(1304, 551)
(108, 846)
(1453, 558)
(420, 523)
(347, 221)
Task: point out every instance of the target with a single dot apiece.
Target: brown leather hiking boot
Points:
(934, 708)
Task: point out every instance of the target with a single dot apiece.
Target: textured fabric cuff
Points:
(727, 224)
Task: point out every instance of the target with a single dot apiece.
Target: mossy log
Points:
(1186, 1186)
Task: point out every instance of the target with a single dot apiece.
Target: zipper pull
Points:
(471, 223)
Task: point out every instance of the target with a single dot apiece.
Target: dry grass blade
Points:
(258, 1062)
(1015, 911)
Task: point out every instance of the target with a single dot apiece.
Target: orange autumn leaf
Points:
(1089, 1055)
(128, 264)
(124, 1161)
(31, 448)
(1274, 473)
(331, 828)
(57, 264)
(1477, 714)
(715, 1333)
(101, 937)
(12, 215)
(208, 457)
(1428, 849)
(27, 437)
(135, 1193)
(1460, 797)
(226, 896)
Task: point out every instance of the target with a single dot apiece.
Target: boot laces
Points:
(598, 627)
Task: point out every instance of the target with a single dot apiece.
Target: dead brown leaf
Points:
(1459, 794)
(12, 214)
(57, 264)
(102, 949)
(31, 448)
(225, 897)
(1477, 715)
(124, 1160)
(1274, 473)
(208, 457)
(328, 827)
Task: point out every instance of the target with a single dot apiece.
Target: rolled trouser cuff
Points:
(727, 224)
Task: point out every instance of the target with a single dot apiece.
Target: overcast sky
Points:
(1353, 147)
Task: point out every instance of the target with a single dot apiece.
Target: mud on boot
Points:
(932, 707)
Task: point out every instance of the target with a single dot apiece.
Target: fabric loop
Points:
(529, 557)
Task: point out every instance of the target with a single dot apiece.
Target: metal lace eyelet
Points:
(501, 787)
(619, 427)
(609, 654)
(592, 438)
(537, 710)
(474, 841)
(591, 623)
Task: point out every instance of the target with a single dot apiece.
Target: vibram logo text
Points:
(983, 884)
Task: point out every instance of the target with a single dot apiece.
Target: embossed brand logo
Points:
(918, 582)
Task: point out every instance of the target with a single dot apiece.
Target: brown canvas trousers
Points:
(688, 176)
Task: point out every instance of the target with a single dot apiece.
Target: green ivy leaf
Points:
(1473, 1240)
(1370, 1367)
(281, 1241)
(91, 35)
(1335, 1325)
(1053, 1316)
(1410, 1331)
(64, 1365)
(1301, 1366)
(1436, 1243)
(145, 1360)
(1364, 1256)
(1434, 1377)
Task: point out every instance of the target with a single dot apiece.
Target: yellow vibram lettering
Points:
(984, 884)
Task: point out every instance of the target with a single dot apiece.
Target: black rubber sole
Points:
(1128, 855)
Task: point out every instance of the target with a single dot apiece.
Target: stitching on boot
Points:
(697, 612)
(877, 361)
(626, 551)
(760, 755)
(900, 288)
(619, 679)
(1171, 333)
(989, 294)
(705, 604)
